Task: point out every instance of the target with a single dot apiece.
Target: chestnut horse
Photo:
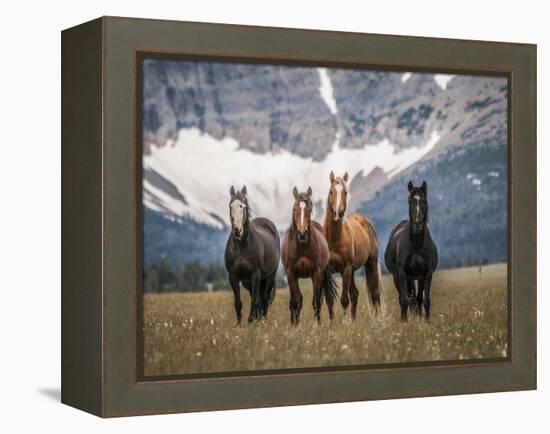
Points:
(352, 243)
(305, 254)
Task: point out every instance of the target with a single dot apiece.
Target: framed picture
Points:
(260, 217)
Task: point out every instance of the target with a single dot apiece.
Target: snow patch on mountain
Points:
(326, 90)
(443, 80)
(203, 169)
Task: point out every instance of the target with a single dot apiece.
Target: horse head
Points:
(338, 196)
(238, 212)
(418, 206)
(301, 213)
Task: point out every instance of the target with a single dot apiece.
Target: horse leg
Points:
(292, 301)
(255, 298)
(316, 280)
(269, 284)
(234, 282)
(330, 306)
(354, 295)
(295, 304)
(420, 296)
(346, 283)
(411, 290)
(344, 299)
(427, 299)
(373, 283)
(401, 284)
(262, 311)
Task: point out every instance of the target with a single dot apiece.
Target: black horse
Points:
(251, 256)
(411, 254)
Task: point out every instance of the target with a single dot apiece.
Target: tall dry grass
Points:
(192, 333)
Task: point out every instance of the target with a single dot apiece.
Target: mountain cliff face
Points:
(467, 198)
(406, 108)
(466, 174)
(273, 127)
(262, 107)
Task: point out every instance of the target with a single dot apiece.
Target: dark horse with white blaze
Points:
(251, 256)
(305, 254)
(411, 254)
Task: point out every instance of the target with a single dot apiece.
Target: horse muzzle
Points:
(303, 236)
(237, 234)
(417, 227)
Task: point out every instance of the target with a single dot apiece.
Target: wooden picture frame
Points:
(101, 187)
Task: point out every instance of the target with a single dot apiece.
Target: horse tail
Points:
(381, 292)
(329, 287)
(375, 288)
(273, 292)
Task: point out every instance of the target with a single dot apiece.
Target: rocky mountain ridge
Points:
(305, 114)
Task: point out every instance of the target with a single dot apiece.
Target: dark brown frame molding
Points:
(101, 216)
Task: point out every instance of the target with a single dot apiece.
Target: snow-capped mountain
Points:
(208, 126)
(200, 170)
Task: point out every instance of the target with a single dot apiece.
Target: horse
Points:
(411, 255)
(305, 254)
(252, 256)
(353, 244)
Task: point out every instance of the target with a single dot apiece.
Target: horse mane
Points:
(427, 218)
(248, 214)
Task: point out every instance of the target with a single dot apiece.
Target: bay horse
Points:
(252, 256)
(305, 254)
(353, 244)
(411, 254)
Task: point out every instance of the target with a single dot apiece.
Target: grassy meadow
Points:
(197, 332)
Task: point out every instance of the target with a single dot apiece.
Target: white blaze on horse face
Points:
(302, 206)
(417, 199)
(338, 188)
(237, 214)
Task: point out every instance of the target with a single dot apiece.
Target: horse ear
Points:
(232, 191)
(295, 192)
(424, 187)
(331, 176)
(410, 186)
(346, 176)
(309, 191)
(243, 191)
